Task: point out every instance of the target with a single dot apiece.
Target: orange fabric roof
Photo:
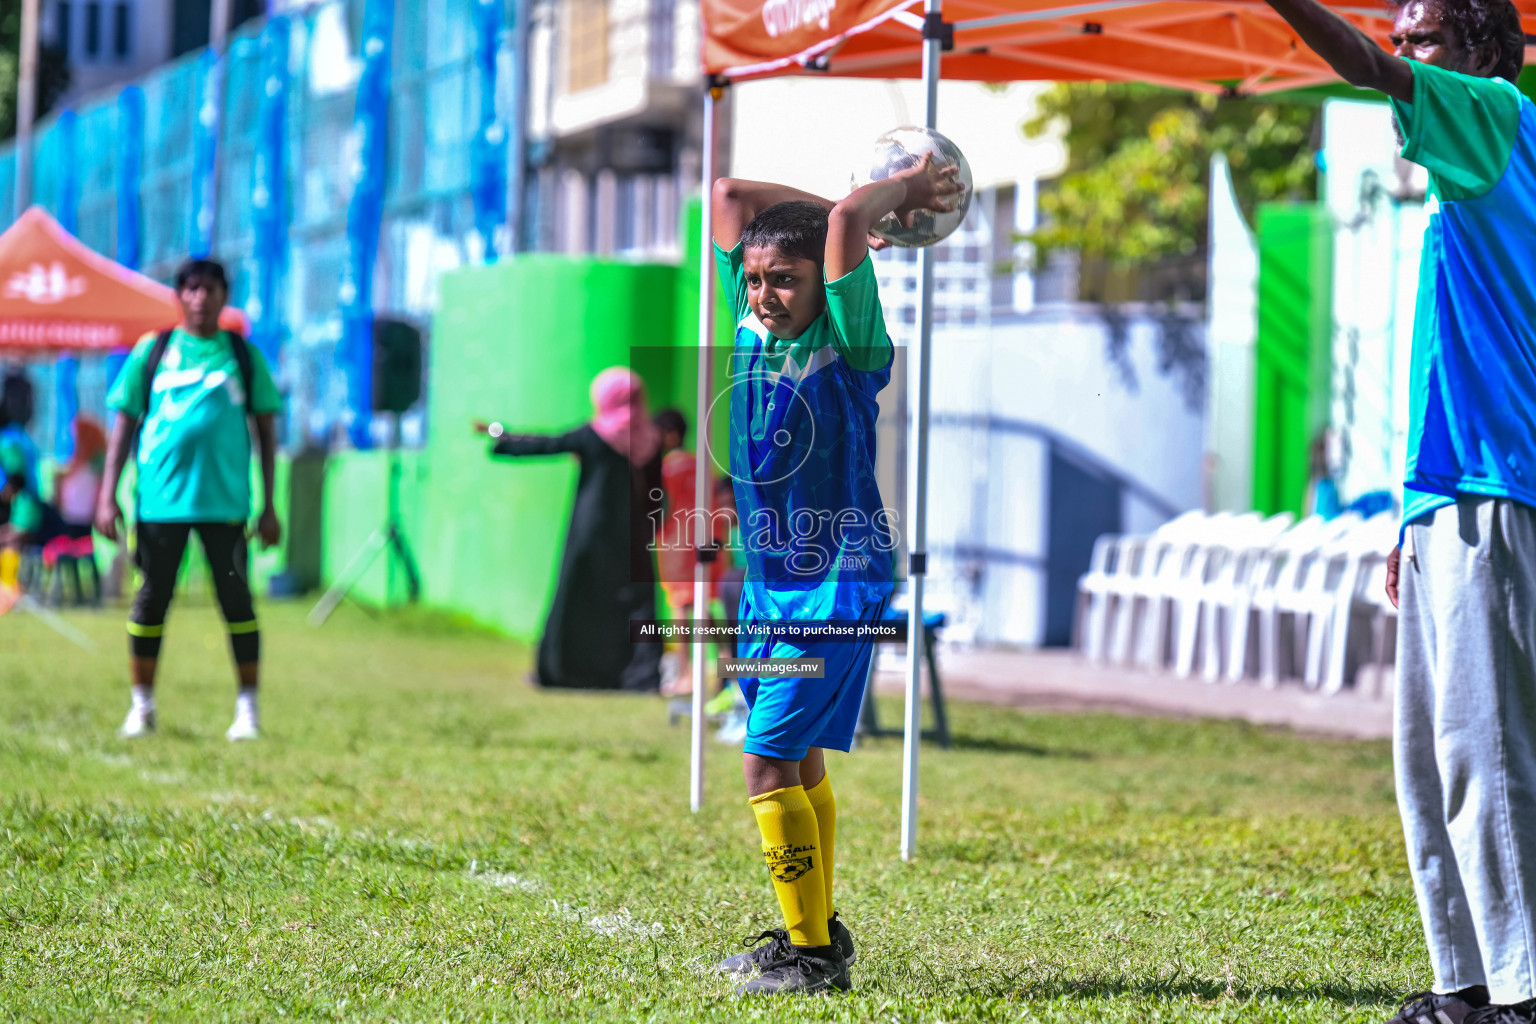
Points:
(58, 294)
(1206, 45)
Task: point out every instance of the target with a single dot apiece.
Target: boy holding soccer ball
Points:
(811, 355)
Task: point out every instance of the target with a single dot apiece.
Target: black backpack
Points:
(157, 353)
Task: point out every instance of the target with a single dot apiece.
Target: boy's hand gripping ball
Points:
(899, 149)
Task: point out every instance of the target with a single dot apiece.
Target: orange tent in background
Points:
(58, 294)
(1203, 45)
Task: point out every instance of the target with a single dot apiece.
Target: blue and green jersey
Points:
(819, 541)
(1471, 426)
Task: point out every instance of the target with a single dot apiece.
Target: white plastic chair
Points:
(1141, 557)
(1328, 633)
(1300, 579)
(1180, 569)
(1226, 537)
(1254, 593)
(1092, 613)
(1224, 598)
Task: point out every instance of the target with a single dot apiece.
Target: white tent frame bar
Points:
(698, 535)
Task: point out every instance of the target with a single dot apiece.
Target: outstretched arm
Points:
(1349, 51)
(924, 187)
(735, 201)
(529, 444)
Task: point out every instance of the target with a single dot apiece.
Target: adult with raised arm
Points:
(1465, 570)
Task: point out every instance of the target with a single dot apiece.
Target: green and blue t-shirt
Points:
(1472, 401)
(194, 443)
(818, 539)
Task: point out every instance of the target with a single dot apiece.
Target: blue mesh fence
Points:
(428, 223)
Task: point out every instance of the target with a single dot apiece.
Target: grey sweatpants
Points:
(1465, 746)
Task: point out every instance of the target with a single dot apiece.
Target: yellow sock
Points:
(10, 565)
(825, 806)
(790, 846)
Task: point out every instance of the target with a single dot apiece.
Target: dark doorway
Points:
(1084, 504)
(189, 30)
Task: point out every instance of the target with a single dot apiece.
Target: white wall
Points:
(1377, 246)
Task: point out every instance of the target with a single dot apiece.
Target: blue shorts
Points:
(790, 716)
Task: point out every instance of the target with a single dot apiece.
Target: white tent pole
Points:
(917, 472)
(699, 534)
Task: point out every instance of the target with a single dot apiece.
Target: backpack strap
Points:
(242, 349)
(151, 367)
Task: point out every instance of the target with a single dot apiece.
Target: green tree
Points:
(1138, 166)
(52, 69)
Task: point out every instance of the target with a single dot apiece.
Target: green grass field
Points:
(419, 836)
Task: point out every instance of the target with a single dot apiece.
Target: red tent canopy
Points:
(1205, 45)
(58, 294)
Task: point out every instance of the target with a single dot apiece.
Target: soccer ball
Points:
(899, 149)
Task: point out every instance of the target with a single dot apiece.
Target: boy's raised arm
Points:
(735, 201)
(924, 187)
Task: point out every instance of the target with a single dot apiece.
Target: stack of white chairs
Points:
(1221, 594)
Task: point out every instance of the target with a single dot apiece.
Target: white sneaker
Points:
(140, 722)
(245, 727)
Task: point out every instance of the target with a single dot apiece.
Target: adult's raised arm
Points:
(1353, 54)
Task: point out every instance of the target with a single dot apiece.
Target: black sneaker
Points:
(1429, 1008)
(773, 946)
(802, 969)
(842, 939)
(1522, 1013)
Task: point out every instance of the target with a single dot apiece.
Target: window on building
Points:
(120, 44)
(587, 57)
(93, 29)
(62, 28)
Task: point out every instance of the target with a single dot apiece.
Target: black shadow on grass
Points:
(993, 745)
(1172, 988)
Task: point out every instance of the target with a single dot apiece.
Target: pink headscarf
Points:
(621, 420)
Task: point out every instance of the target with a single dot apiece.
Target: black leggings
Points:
(160, 550)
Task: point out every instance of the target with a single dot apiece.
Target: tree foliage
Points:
(1138, 165)
(52, 69)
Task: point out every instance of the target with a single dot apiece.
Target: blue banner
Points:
(205, 145)
(66, 405)
(488, 152)
(68, 129)
(130, 170)
(66, 395)
(370, 126)
(269, 194)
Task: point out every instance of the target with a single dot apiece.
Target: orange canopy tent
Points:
(1219, 46)
(1229, 47)
(57, 294)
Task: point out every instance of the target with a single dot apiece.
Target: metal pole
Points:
(26, 105)
(517, 129)
(700, 439)
(917, 480)
(218, 42)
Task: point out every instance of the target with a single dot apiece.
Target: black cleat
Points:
(1429, 1008)
(842, 939)
(802, 969)
(775, 946)
(1524, 1013)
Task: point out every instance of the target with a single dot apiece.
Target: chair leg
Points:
(936, 690)
(869, 718)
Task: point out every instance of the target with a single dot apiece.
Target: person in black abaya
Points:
(607, 574)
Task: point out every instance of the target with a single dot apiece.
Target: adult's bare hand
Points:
(1394, 560)
(108, 515)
